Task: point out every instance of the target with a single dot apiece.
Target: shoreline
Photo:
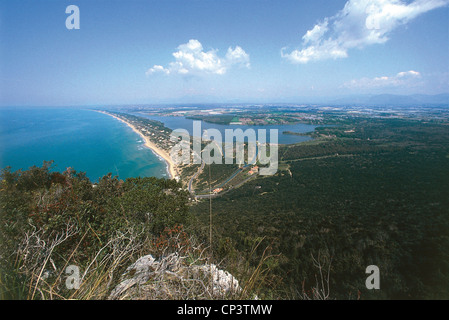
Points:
(150, 145)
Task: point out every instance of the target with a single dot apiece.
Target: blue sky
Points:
(172, 51)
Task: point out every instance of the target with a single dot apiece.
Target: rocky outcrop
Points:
(173, 277)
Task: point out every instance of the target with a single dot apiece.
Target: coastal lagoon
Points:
(95, 143)
(84, 140)
(187, 124)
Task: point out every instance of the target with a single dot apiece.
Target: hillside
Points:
(378, 195)
(364, 192)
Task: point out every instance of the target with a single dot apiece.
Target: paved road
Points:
(192, 192)
(207, 196)
(194, 177)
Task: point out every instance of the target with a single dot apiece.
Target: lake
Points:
(187, 124)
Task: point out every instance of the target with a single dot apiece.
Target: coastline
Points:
(150, 145)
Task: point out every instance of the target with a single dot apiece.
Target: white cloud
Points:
(401, 79)
(316, 33)
(192, 59)
(157, 68)
(237, 56)
(359, 24)
(407, 74)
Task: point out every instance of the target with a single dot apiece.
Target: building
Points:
(218, 190)
(254, 170)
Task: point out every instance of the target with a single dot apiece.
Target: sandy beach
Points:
(162, 153)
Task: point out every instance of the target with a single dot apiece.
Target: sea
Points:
(81, 139)
(94, 143)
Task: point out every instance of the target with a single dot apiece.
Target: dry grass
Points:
(185, 271)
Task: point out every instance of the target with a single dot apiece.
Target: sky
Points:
(203, 51)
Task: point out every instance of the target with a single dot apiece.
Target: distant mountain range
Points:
(348, 100)
(394, 100)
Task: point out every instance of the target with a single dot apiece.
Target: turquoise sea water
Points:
(81, 139)
(93, 142)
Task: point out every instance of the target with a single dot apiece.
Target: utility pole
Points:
(210, 212)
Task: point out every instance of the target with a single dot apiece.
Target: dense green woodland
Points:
(376, 196)
(353, 202)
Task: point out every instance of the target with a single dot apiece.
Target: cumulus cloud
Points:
(157, 68)
(401, 79)
(190, 58)
(237, 56)
(359, 24)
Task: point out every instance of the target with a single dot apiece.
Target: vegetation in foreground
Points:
(365, 192)
(51, 220)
